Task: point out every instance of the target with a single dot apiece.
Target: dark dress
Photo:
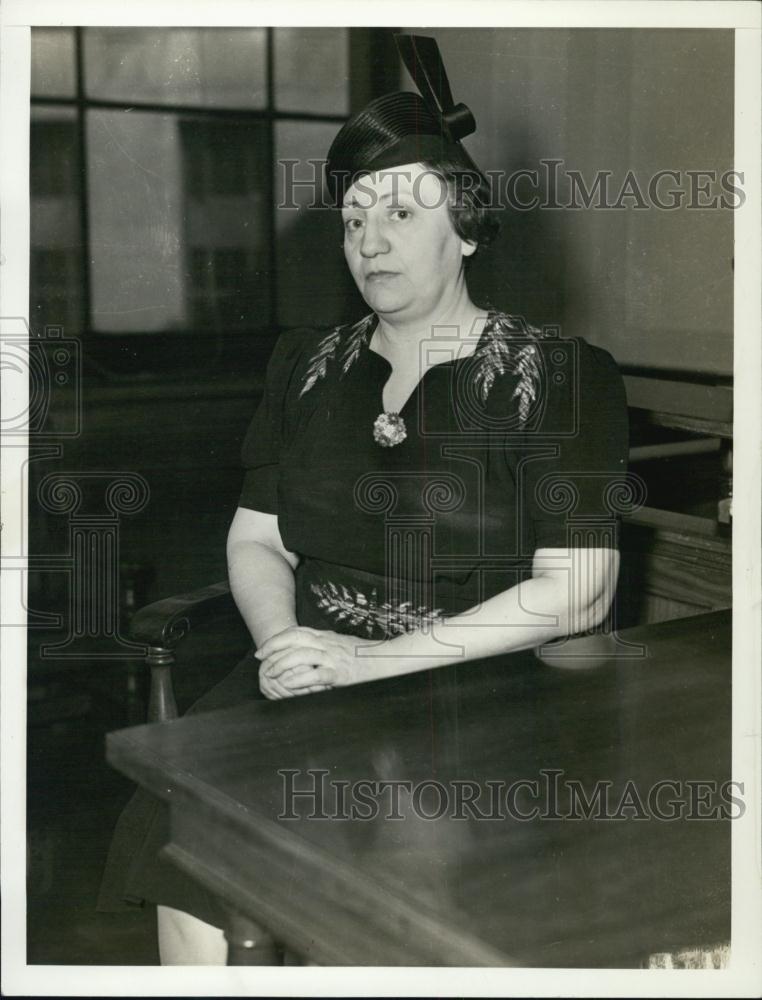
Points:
(522, 445)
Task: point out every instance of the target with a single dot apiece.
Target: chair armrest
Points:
(165, 623)
(162, 625)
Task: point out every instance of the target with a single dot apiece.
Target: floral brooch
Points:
(389, 429)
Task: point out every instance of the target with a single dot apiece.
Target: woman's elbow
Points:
(587, 602)
(591, 608)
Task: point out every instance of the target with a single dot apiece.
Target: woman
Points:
(409, 477)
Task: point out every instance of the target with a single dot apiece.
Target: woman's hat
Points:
(403, 127)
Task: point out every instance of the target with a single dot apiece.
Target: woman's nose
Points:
(373, 240)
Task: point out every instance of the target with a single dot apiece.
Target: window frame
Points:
(369, 75)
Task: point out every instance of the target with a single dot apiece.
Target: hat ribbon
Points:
(424, 63)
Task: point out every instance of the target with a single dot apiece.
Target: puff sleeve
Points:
(261, 450)
(575, 464)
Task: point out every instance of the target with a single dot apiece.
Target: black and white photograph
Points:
(381, 506)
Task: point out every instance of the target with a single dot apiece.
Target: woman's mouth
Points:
(381, 275)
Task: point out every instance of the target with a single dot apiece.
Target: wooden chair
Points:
(163, 625)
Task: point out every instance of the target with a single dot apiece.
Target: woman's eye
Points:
(351, 225)
(402, 213)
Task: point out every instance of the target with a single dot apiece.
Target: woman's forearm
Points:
(570, 592)
(530, 614)
(262, 584)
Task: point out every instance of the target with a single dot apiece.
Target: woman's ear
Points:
(468, 248)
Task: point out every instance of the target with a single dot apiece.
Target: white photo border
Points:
(743, 976)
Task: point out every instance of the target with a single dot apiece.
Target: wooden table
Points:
(473, 891)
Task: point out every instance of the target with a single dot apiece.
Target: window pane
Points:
(312, 70)
(56, 263)
(314, 284)
(212, 67)
(178, 222)
(53, 72)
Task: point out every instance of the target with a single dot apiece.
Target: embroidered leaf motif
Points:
(355, 342)
(500, 355)
(494, 357)
(529, 378)
(326, 351)
(354, 608)
(319, 361)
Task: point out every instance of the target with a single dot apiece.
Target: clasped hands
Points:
(301, 660)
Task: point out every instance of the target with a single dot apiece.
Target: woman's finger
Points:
(292, 659)
(303, 656)
(287, 678)
(297, 668)
(324, 674)
(277, 691)
(315, 689)
(273, 689)
(275, 657)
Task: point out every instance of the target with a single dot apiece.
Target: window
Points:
(56, 250)
(155, 179)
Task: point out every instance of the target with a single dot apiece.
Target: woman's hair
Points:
(469, 202)
(401, 128)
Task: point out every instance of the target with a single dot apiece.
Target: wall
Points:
(652, 286)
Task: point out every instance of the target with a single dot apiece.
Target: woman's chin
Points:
(384, 301)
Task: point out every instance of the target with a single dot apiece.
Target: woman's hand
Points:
(271, 688)
(302, 660)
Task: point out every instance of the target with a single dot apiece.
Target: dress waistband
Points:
(352, 601)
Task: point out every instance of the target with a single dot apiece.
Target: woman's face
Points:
(399, 242)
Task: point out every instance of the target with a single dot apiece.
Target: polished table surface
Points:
(467, 889)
